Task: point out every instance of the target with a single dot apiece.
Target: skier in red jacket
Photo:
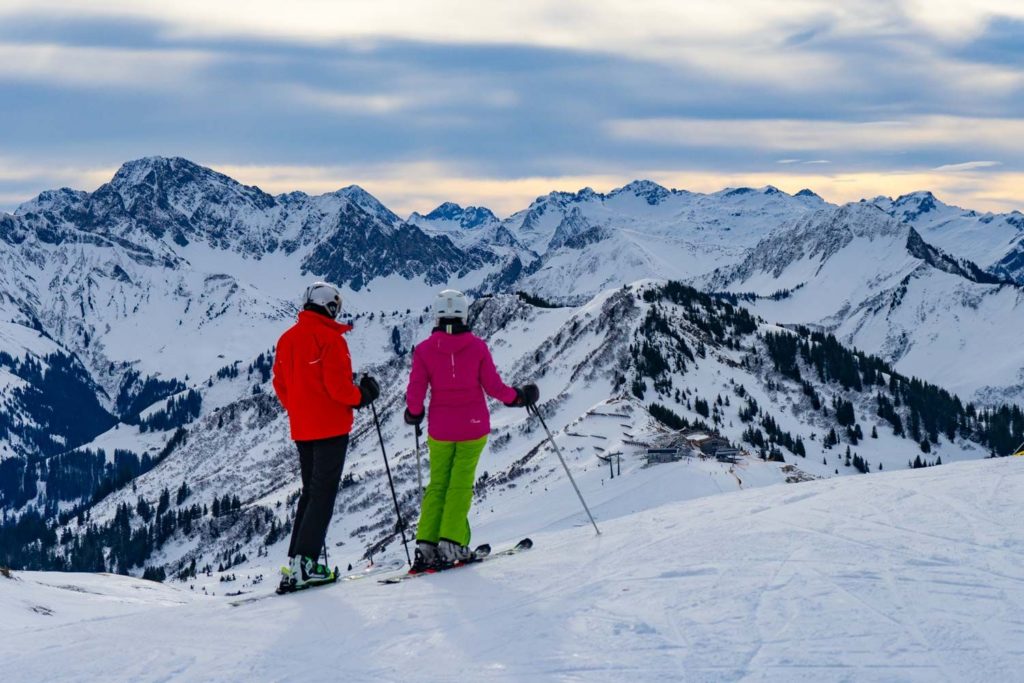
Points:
(313, 381)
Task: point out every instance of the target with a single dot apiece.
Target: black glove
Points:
(526, 396)
(369, 390)
(413, 420)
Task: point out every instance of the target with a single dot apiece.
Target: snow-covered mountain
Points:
(454, 219)
(873, 280)
(588, 241)
(117, 279)
(150, 307)
(993, 241)
(619, 375)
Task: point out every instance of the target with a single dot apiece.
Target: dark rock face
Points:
(944, 262)
(359, 250)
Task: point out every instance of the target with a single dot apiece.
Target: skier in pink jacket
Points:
(457, 367)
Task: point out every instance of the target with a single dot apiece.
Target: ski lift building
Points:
(708, 442)
(657, 456)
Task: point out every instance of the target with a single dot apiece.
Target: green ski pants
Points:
(449, 494)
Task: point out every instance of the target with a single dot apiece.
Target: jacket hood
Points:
(449, 343)
(314, 318)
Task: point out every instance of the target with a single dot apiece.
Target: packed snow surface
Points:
(905, 576)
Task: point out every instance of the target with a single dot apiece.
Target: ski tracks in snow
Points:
(909, 576)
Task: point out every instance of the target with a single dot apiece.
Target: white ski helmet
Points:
(451, 303)
(325, 295)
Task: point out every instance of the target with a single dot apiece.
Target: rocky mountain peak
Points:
(370, 204)
(469, 217)
(911, 206)
(52, 200)
(648, 190)
(181, 186)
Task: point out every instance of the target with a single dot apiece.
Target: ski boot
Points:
(427, 558)
(287, 584)
(453, 554)
(305, 572)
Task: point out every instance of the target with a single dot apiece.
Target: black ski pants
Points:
(321, 462)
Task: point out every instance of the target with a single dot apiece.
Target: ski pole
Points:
(558, 451)
(419, 467)
(391, 483)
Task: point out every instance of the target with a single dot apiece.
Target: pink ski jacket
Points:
(458, 368)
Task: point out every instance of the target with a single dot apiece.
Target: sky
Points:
(496, 103)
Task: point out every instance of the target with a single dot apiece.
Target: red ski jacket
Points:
(313, 378)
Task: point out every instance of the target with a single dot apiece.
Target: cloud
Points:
(21, 180)
(967, 166)
(353, 103)
(99, 67)
(911, 133)
(516, 97)
(579, 24)
(742, 41)
(958, 21)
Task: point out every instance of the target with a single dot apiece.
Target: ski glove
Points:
(369, 390)
(414, 420)
(526, 396)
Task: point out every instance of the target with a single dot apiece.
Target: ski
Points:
(373, 570)
(305, 586)
(519, 547)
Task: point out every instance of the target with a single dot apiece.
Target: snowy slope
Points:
(587, 363)
(871, 280)
(911, 576)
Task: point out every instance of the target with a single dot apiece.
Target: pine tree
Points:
(183, 493)
(700, 406)
(164, 503)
